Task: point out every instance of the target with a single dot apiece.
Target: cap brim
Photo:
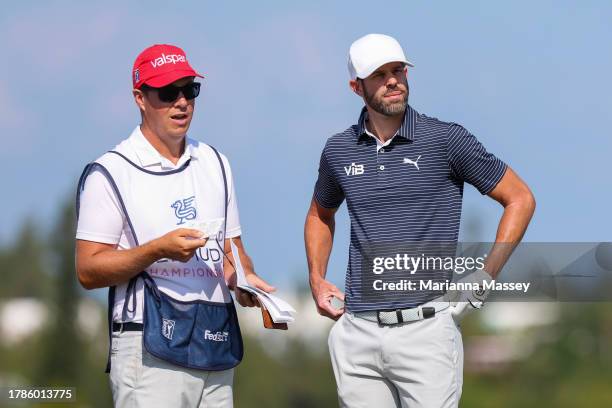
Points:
(169, 77)
(367, 72)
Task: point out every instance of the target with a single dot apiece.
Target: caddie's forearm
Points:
(318, 238)
(245, 260)
(110, 267)
(512, 227)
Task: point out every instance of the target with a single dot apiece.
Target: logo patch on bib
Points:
(168, 328)
(184, 210)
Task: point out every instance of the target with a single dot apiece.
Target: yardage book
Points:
(276, 312)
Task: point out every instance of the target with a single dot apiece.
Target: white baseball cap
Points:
(373, 51)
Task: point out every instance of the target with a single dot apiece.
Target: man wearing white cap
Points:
(402, 174)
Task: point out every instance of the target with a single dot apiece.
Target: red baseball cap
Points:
(160, 65)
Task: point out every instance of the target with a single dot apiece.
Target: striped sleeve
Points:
(470, 161)
(327, 192)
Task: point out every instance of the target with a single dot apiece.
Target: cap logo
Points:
(137, 75)
(167, 59)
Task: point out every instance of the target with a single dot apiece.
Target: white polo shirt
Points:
(102, 220)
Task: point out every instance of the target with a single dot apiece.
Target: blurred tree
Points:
(65, 359)
(570, 366)
(298, 378)
(23, 265)
(63, 345)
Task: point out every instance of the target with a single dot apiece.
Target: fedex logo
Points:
(218, 336)
(167, 59)
(354, 169)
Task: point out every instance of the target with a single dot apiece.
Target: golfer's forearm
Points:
(318, 237)
(110, 267)
(512, 227)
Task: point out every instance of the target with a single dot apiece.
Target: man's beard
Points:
(387, 109)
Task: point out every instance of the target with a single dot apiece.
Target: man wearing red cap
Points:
(147, 207)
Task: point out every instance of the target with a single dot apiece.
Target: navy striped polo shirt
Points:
(408, 191)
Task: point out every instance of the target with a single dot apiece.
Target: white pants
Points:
(415, 364)
(139, 379)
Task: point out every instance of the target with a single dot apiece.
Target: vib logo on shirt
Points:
(354, 169)
(184, 210)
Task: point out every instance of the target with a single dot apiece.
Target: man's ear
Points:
(139, 98)
(357, 86)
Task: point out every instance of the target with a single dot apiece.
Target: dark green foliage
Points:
(573, 368)
(21, 265)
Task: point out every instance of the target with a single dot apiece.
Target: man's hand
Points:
(469, 300)
(180, 244)
(323, 292)
(99, 265)
(318, 238)
(245, 298)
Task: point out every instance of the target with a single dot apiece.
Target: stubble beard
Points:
(384, 108)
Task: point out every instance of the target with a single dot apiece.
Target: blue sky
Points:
(530, 79)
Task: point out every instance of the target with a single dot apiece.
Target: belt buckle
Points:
(398, 314)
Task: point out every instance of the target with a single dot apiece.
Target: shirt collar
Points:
(148, 156)
(406, 130)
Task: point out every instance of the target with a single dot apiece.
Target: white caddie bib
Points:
(156, 203)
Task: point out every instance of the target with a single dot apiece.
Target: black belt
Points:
(128, 326)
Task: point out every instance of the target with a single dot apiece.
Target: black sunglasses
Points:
(170, 93)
